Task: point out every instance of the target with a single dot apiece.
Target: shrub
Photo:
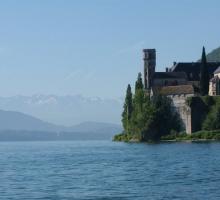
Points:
(208, 100)
(212, 121)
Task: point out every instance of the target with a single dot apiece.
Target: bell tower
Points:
(149, 67)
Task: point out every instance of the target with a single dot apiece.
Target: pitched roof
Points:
(170, 75)
(174, 90)
(217, 70)
(192, 69)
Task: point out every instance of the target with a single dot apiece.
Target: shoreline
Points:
(192, 140)
(199, 137)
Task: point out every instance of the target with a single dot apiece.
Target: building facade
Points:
(179, 82)
(214, 83)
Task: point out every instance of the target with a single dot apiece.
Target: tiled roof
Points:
(174, 90)
(170, 75)
(192, 69)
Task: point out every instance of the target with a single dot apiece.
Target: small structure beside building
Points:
(214, 84)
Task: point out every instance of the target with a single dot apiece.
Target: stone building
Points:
(214, 84)
(178, 82)
(178, 94)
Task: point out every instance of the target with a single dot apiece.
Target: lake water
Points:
(108, 170)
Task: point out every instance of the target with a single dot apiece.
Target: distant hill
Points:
(214, 56)
(19, 126)
(11, 120)
(65, 110)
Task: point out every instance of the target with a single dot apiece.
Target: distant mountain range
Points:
(11, 120)
(19, 126)
(65, 110)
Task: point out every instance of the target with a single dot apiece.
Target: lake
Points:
(109, 170)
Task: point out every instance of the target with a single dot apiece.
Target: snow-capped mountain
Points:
(65, 110)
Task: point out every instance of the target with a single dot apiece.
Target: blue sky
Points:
(94, 47)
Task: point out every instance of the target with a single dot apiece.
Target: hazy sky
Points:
(94, 47)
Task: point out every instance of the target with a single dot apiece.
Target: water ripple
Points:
(103, 170)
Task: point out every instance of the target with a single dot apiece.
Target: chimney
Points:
(174, 63)
(167, 69)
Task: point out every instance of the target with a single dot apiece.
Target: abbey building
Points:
(180, 81)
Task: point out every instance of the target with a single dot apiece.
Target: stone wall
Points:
(180, 105)
(192, 115)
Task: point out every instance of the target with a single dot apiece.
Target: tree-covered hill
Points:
(214, 55)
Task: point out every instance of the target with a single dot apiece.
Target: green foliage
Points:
(139, 83)
(126, 137)
(209, 100)
(148, 119)
(214, 56)
(205, 112)
(142, 111)
(204, 79)
(164, 121)
(197, 136)
(212, 121)
(128, 108)
(168, 137)
(189, 101)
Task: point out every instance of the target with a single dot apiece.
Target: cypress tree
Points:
(204, 75)
(139, 83)
(128, 108)
(139, 93)
(138, 103)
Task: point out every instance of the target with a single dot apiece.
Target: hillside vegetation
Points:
(206, 112)
(206, 115)
(214, 55)
(146, 119)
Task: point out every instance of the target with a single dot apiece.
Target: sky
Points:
(94, 48)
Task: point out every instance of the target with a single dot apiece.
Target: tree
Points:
(204, 75)
(138, 101)
(139, 83)
(148, 119)
(128, 108)
(212, 121)
(139, 93)
(141, 114)
(162, 118)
